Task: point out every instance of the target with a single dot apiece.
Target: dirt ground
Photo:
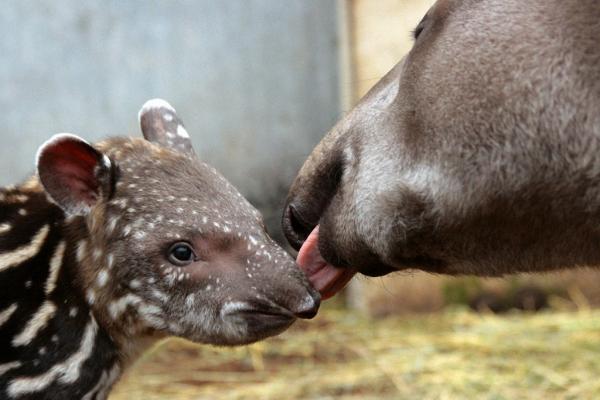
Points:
(339, 355)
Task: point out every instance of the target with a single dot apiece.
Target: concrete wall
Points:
(255, 81)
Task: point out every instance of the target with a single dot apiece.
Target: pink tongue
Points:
(326, 278)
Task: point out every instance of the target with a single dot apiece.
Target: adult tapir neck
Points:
(52, 343)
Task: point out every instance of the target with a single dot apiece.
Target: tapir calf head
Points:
(479, 152)
(167, 245)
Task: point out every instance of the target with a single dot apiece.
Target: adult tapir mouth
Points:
(318, 255)
(326, 278)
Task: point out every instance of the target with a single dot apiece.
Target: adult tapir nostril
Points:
(310, 195)
(309, 307)
(295, 227)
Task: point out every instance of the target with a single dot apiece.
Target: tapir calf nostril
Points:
(309, 307)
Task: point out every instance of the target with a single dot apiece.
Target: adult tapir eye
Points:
(419, 29)
(181, 254)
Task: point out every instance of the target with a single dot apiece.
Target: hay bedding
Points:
(339, 355)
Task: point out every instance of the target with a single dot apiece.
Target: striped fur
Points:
(87, 278)
(45, 356)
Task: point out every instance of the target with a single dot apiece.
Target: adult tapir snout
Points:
(478, 153)
(324, 189)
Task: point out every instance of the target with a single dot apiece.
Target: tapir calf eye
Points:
(181, 254)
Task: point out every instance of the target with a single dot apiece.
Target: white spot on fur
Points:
(90, 296)
(81, 250)
(106, 161)
(37, 322)
(102, 278)
(126, 230)
(182, 132)
(231, 307)
(189, 300)
(73, 312)
(117, 307)
(21, 254)
(110, 259)
(97, 253)
(4, 368)
(151, 315)
(134, 284)
(23, 212)
(5, 227)
(121, 203)
(65, 372)
(7, 313)
(160, 295)
(17, 198)
(55, 264)
(112, 224)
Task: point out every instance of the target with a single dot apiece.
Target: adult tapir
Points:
(478, 153)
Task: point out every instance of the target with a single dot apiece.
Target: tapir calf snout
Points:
(308, 308)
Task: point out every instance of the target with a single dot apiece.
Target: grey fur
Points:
(484, 160)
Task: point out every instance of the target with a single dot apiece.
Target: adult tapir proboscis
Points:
(478, 153)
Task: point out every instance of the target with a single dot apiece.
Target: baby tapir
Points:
(116, 245)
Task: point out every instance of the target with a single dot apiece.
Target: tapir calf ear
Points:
(161, 125)
(74, 174)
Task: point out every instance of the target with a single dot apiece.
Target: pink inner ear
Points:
(78, 180)
(69, 167)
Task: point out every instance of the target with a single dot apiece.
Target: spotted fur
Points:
(86, 283)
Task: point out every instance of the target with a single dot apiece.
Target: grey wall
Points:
(255, 81)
